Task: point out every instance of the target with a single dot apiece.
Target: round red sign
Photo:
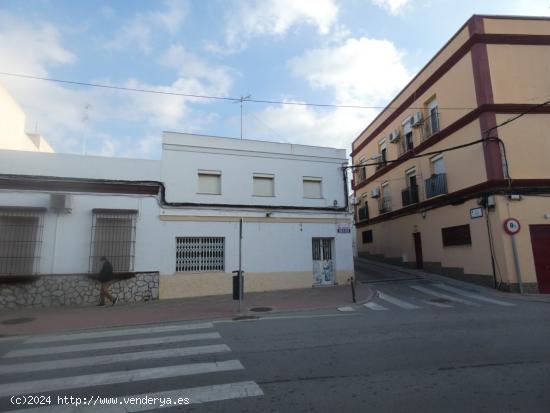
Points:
(512, 226)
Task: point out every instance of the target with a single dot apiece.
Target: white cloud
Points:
(530, 7)
(360, 71)
(393, 6)
(138, 31)
(253, 18)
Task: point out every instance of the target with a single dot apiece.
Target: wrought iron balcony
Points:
(436, 185)
(431, 125)
(410, 195)
(384, 204)
(363, 213)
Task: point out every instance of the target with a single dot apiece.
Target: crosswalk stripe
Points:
(196, 395)
(110, 345)
(397, 301)
(473, 295)
(117, 333)
(444, 296)
(375, 307)
(112, 358)
(346, 309)
(99, 379)
(436, 304)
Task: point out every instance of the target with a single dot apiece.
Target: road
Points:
(417, 346)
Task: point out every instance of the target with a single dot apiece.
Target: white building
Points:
(180, 216)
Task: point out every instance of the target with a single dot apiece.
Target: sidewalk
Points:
(47, 320)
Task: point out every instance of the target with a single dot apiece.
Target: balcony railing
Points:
(436, 185)
(384, 205)
(431, 125)
(410, 195)
(363, 213)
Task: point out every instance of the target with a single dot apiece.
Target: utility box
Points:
(238, 288)
(60, 202)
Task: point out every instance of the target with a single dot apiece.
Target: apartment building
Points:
(453, 176)
(175, 227)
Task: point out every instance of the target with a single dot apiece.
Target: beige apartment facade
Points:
(444, 175)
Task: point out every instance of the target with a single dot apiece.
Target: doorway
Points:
(540, 242)
(418, 250)
(323, 263)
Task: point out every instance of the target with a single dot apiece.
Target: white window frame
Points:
(263, 176)
(211, 173)
(312, 179)
(433, 160)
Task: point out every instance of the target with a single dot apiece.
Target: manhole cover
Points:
(440, 300)
(261, 309)
(245, 317)
(21, 320)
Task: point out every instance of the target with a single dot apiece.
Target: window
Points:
(432, 124)
(312, 187)
(361, 171)
(200, 254)
(383, 155)
(459, 235)
(113, 237)
(408, 143)
(438, 167)
(210, 182)
(263, 185)
(20, 240)
(367, 236)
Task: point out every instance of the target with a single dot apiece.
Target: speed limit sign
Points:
(511, 226)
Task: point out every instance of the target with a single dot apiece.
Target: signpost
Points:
(512, 227)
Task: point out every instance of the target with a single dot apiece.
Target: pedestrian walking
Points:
(106, 278)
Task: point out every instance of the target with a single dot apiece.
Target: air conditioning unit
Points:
(60, 202)
(355, 201)
(416, 119)
(375, 192)
(394, 136)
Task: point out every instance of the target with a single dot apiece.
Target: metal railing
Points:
(363, 213)
(384, 204)
(431, 125)
(436, 185)
(410, 195)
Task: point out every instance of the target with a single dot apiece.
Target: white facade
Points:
(12, 127)
(278, 230)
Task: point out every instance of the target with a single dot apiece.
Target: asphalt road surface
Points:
(417, 346)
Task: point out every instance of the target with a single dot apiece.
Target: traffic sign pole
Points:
(512, 227)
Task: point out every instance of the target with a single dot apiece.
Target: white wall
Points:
(78, 166)
(12, 127)
(183, 155)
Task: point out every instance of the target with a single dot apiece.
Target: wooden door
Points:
(540, 242)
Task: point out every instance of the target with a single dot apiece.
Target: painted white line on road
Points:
(375, 307)
(100, 379)
(346, 309)
(440, 295)
(473, 295)
(117, 333)
(109, 345)
(436, 304)
(196, 395)
(112, 358)
(397, 301)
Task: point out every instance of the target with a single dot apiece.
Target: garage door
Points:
(540, 241)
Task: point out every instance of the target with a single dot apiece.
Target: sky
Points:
(338, 52)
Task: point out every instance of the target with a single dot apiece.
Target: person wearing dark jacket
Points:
(106, 278)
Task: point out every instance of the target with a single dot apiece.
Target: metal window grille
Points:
(113, 237)
(200, 254)
(322, 249)
(20, 240)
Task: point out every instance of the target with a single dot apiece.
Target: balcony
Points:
(410, 195)
(436, 185)
(431, 125)
(363, 213)
(384, 205)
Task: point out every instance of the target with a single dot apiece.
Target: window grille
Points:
(322, 249)
(113, 237)
(21, 232)
(200, 254)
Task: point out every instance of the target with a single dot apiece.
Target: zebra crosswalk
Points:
(415, 296)
(62, 363)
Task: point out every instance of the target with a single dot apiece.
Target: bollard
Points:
(352, 289)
